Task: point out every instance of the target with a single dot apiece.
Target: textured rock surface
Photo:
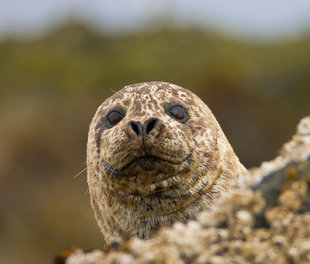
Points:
(264, 219)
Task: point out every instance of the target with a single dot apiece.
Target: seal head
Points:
(155, 155)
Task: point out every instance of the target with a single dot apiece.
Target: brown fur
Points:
(195, 162)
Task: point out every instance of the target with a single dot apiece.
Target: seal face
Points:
(155, 155)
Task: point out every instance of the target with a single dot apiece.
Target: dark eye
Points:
(114, 117)
(178, 112)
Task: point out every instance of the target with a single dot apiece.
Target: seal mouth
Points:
(148, 163)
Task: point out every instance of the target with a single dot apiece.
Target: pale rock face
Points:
(155, 155)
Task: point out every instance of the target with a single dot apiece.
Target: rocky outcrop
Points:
(264, 219)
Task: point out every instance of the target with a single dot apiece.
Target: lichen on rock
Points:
(264, 219)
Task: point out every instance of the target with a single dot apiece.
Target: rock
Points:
(264, 219)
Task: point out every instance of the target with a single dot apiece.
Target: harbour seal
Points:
(155, 155)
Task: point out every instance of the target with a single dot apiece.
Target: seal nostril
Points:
(150, 124)
(135, 127)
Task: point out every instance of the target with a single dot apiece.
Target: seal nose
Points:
(136, 126)
(146, 128)
(149, 125)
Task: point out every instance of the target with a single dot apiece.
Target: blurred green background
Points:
(52, 84)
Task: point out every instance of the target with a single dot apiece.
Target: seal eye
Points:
(114, 117)
(178, 112)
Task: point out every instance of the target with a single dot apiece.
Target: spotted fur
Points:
(193, 162)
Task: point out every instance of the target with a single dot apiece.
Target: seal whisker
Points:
(112, 90)
(79, 173)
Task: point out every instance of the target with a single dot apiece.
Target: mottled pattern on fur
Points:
(194, 162)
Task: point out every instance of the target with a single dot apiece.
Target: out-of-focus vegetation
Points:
(51, 86)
